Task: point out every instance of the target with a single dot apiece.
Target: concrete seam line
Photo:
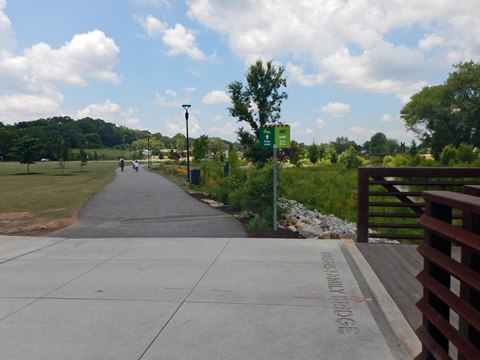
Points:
(399, 324)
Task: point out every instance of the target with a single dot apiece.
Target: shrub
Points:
(350, 158)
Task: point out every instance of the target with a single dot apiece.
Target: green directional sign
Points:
(278, 135)
(267, 137)
(282, 137)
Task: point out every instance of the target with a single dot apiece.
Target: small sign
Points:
(275, 134)
(267, 137)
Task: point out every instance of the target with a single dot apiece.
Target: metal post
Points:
(274, 187)
(148, 153)
(186, 107)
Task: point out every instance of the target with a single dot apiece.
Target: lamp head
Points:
(186, 107)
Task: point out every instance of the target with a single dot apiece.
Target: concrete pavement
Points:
(144, 204)
(194, 298)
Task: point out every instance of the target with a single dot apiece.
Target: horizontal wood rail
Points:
(451, 318)
(390, 201)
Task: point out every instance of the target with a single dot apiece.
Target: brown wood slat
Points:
(455, 200)
(432, 346)
(471, 190)
(461, 307)
(395, 204)
(452, 233)
(401, 193)
(460, 271)
(463, 346)
(394, 215)
(421, 183)
(449, 172)
(396, 236)
(394, 225)
(411, 256)
(397, 275)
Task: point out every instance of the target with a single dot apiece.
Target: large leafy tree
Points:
(449, 113)
(259, 101)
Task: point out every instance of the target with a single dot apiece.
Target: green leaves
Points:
(258, 102)
(448, 113)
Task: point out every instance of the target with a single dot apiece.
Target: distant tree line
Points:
(55, 138)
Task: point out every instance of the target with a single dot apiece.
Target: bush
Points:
(350, 158)
(256, 193)
(449, 155)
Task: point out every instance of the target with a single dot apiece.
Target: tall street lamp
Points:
(186, 107)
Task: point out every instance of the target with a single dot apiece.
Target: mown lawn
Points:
(46, 196)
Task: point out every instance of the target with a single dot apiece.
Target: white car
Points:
(44, 160)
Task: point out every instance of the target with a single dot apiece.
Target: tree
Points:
(6, 141)
(413, 150)
(294, 153)
(449, 113)
(83, 158)
(200, 147)
(259, 102)
(350, 158)
(215, 144)
(313, 153)
(27, 149)
(342, 143)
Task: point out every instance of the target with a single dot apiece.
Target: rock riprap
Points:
(311, 224)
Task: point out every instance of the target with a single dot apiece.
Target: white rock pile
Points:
(314, 225)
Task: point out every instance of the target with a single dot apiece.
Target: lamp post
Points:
(148, 152)
(186, 107)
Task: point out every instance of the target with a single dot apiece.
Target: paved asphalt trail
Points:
(144, 205)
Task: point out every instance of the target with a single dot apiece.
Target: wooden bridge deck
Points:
(396, 266)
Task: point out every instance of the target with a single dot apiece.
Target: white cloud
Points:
(190, 90)
(386, 118)
(25, 107)
(228, 129)
(107, 111)
(350, 42)
(336, 109)
(295, 73)
(7, 42)
(170, 99)
(152, 26)
(320, 123)
(110, 112)
(130, 119)
(173, 127)
(33, 78)
(216, 97)
(177, 39)
(217, 119)
(182, 41)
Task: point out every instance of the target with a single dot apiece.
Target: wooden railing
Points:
(451, 300)
(390, 201)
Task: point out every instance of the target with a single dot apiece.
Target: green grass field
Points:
(329, 188)
(45, 194)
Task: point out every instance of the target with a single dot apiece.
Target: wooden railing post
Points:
(443, 213)
(451, 316)
(471, 223)
(362, 208)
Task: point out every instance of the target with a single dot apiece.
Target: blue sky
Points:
(350, 65)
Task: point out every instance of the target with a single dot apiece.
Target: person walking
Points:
(135, 165)
(122, 164)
